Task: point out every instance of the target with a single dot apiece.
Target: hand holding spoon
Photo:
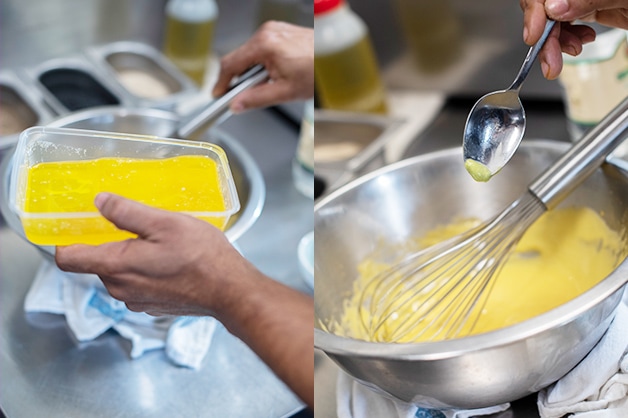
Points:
(497, 121)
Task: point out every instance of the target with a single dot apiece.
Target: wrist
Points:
(230, 281)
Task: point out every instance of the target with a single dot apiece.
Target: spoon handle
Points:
(532, 53)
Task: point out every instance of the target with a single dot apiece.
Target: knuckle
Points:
(115, 292)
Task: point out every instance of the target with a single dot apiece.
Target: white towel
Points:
(598, 386)
(355, 400)
(82, 301)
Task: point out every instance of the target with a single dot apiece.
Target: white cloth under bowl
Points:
(355, 400)
(598, 386)
(82, 301)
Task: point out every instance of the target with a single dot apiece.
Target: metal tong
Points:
(216, 111)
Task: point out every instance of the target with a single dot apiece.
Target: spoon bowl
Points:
(492, 133)
(497, 122)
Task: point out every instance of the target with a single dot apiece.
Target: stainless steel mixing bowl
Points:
(247, 175)
(408, 198)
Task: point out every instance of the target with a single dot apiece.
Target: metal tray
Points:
(144, 74)
(73, 83)
(20, 108)
(349, 145)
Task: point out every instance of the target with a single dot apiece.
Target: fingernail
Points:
(525, 34)
(100, 199)
(588, 38)
(556, 8)
(571, 50)
(545, 68)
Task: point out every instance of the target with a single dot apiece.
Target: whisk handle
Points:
(583, 158)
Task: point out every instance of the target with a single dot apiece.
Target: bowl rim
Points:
(438, 350)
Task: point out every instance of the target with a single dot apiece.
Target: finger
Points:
(570, 43)
(81, 258)
(585, 33)
(569, 10)
(234, 64)
(613, 18)
(534, 19)
(551, 58)
(267, 94)
(129, 215)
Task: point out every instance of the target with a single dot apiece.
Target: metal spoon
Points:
(497, 121)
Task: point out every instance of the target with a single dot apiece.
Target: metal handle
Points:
(583, 158)
(198, 123)
(532, 53)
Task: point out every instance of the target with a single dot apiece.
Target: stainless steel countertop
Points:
(44, 373)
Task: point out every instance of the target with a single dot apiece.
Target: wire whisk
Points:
(438, 293)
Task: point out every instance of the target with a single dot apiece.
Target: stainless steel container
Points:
(144, 75)
(20, 108)
(247, 175)
(349, 144)
(408, 198)
(73, 83)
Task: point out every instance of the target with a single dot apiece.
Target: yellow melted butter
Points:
(57, 191)
(563, 254)
(478, 171)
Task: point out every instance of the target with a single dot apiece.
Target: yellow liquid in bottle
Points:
(349, 80)
(432, 31)
(59, 201)
(188, 45)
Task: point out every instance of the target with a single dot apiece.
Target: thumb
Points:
(127, 214)
(567, 10)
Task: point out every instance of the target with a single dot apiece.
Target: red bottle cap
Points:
(323, 6)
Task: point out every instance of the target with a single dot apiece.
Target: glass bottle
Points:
(345, 67)
(189, 32)
(432, 32)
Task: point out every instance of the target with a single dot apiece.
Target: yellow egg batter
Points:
(563, 254)
(60, 194)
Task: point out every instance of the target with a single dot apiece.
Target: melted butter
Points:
(562, 255)
(478, 171)
(59, 194)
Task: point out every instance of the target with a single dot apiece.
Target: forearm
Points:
(277, 322)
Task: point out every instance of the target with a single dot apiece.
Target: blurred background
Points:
(478, 46)
(54, 28)
(486, 39)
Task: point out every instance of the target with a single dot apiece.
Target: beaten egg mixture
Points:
(563, 254)
(57, 193)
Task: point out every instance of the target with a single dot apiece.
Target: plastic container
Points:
(346, 70)
(189, 34)
(57, 173)
(595, 81)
